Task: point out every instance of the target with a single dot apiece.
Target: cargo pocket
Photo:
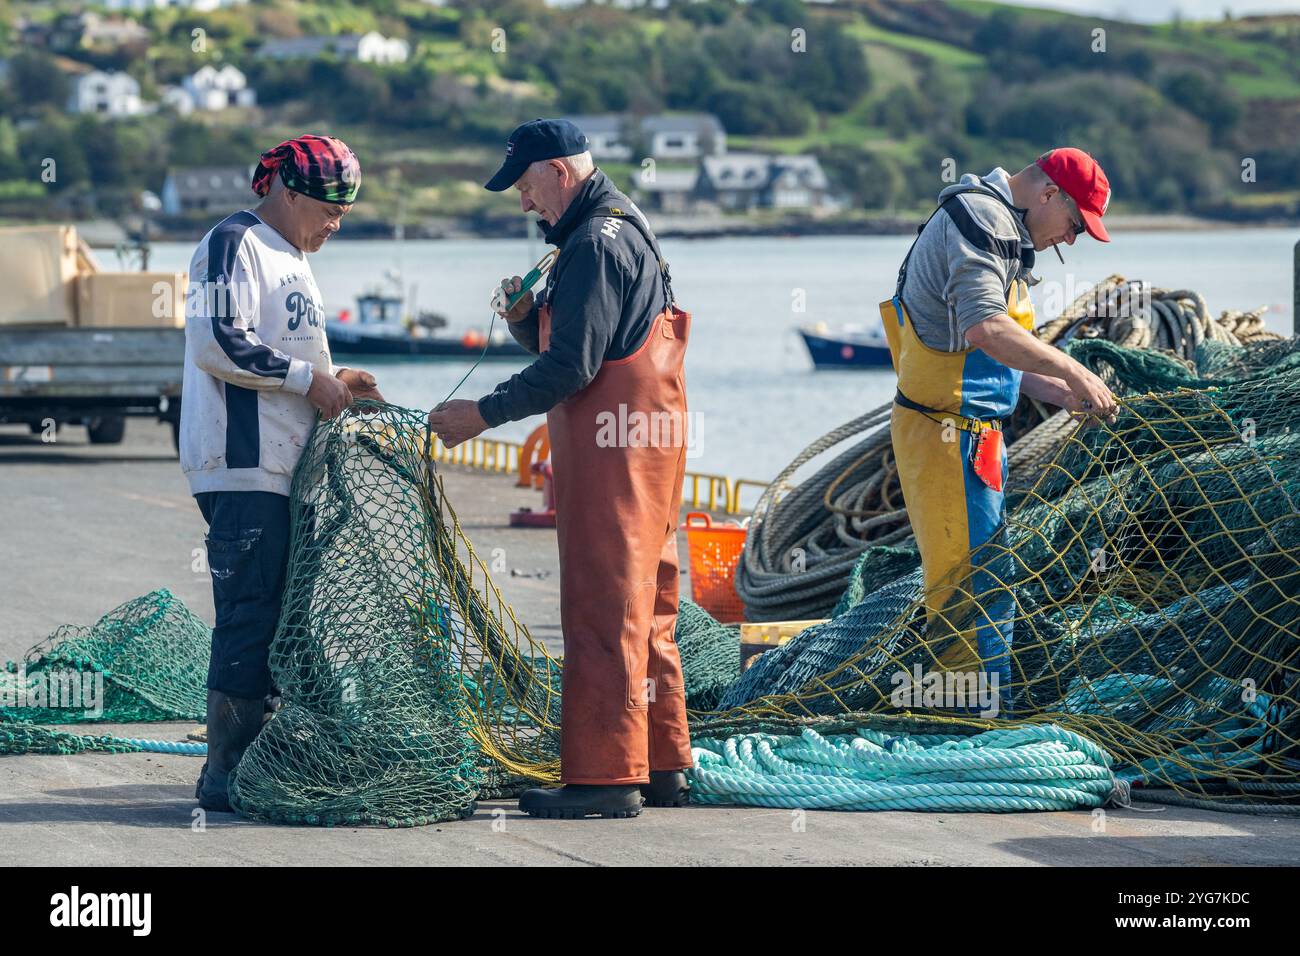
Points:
(638, 621)
(236, 571)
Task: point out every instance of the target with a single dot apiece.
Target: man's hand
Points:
(1005, 341)
(1045, 388)
(501, 297)
(360, 383)
(456, 421)
(328, 394)
(1089, 395)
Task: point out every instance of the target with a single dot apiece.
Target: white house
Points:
(106, 94)
(745, 181)
(686, 136)
(179, 99)
(364, 47)
(211, 88)
(668, 190)
(373, 47)
(607, 137)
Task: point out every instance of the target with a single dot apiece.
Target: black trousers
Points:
(248, 555)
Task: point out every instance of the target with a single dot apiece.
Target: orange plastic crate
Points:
(714, 552)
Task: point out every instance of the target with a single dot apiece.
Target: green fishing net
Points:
(1151, 568)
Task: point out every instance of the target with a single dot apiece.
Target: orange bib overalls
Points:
(618, 451)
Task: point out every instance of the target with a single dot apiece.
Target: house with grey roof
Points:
(218, 190)
(742, 182)
(295, 48)
(687, 136)
(609, 136)
(369, 47)
(86, 30)
(666, 190)
(684, 137)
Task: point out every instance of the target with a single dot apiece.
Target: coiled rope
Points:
(805, 538)
(1035, 767)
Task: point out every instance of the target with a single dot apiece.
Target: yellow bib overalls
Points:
(945, 400)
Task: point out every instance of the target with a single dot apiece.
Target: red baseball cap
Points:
(1082, 179)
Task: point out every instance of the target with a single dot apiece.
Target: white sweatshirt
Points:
(254, 334)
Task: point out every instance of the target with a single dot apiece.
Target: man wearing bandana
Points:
(257, 372)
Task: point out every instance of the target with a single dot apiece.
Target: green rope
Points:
(1038, 767)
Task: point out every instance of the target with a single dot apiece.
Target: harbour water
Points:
(754, 396)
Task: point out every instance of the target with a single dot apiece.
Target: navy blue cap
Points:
(535, 141)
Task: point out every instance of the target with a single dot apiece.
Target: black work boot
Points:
(233, 722)
(667, 788)
(574, 801)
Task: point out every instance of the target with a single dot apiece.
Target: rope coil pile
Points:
(806, 538)
(1026, 768)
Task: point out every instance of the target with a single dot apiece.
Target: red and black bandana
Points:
(317, 166)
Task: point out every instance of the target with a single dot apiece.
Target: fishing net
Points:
(710, 654)
(407, 684)
(810, 530)
(1150, 575)
(1149, 570)
(146, 660)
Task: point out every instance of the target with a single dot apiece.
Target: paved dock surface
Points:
(86, 527)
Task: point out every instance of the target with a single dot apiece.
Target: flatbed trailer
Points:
(97, 377)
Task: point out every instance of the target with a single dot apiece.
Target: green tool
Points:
(536, 272)
(503, 302)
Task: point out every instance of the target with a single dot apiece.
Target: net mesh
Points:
(146, 660)
(1149, 569)
(1151, 578)
(407, 684)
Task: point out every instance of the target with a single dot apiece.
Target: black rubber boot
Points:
(667, 788)
(233, 722)
(575, 801)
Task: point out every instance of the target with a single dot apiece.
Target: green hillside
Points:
(883, 91)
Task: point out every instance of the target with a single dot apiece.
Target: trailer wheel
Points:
(107, 430)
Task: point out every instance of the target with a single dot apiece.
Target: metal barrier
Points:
(734, 505)
(713, 484)
(486, 454)
(700, 489)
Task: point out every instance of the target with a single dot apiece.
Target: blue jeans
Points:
(248, 555)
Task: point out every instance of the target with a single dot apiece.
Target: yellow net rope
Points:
(1148, 581)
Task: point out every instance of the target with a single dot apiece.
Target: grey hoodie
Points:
(964, 261)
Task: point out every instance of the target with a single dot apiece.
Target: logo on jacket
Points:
(300, 307)
(611, 227)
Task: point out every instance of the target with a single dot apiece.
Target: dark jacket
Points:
(604, 290)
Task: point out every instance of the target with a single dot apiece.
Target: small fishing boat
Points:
(846, 346)
(380, 327)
